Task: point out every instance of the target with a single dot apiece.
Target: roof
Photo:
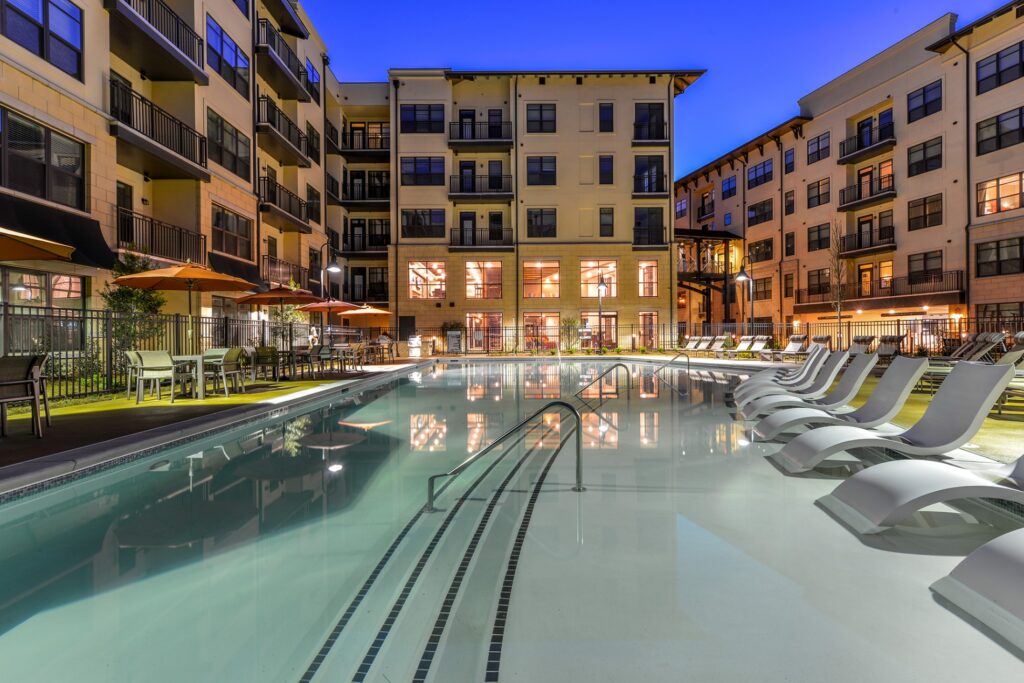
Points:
(683, 78)
(948, 41)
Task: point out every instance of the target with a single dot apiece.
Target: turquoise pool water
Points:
(299, 550)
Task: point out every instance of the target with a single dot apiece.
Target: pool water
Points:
(300, 550)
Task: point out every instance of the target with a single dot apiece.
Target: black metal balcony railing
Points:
(480, 130)
(861, 191)
(647, 183)
(367, 241)
(363, 193)
(332, 185)
(269, 36)
(269, 113)
(656, 130)
(331, 133)
(146, 235)
(480, 184)
(481, 237)
(360, 140)
(920, 283)
(649, 236)
(881, 237)
(172, 27)
(868, 138)
(693, 268)
(138, 113)
(370, 292)
(280, 196)
(705, 210)
(282, 272)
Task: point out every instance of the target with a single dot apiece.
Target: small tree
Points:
(134, 310)
(570, 333)
(283, 316)
(837, 272)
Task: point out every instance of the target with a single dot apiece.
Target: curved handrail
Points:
(672, 360)
(625, 367)
(455, 471)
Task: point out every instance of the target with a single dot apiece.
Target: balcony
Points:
(372, 242)
(867, 193)
(649, 237)
(375, 292)
(151, 141)
(287, 17)
(867, 143)
(279, 135)
(278, 64)
(650, 185)
(934, 288)
(693, 271)
(282, 208)
(480, 188)
(148, 35)
(489, 238)
(480, 135)
(361, 146)
(280, 272)
(333, 189)
(366, 197)
(864, 243)
(146, 235)
(705, 211)
(653, 134)
(332, 139)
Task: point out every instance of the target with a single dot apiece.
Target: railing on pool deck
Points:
(629, 380)
(455, 471)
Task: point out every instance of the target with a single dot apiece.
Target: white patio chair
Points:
(848, 386)
(817, 387)
(754, 388)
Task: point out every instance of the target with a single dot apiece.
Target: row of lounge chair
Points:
(986, 584)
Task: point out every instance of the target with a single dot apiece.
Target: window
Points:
(51, 29)
(422, 118)
(648, 225)
(761, 212)
(789, 244)
(541, 222)
(727, 219)
(540, 118)
(1001, 194)
(924, 157)
(225, 57)
(818, 281)
(423, 170)
(787, 285)
(729, 187)
(226, 145)
(1001, 310)
(41, 162)
(540, 171)
(592, 273)
(313, 142)
(762, 289)
(759, 174)
(312, 81)
(818, 148)
(607, 222)
(681, 208)
(924, 266)
(818, 193)
(243, 6)
(427, 279)
(606, 117)
(925, 212)
(1001, 257)
(649, 121)
(483, 279)
(790, 202)
(649, 174)
(648, 278)
(423, 223)
(540, 280)
(313, 203)
(999, 69)
(761, 250)
(924, 101)
(789, 164)
(818, 237)
(606, 169)
(232, 233)
(1000, 131)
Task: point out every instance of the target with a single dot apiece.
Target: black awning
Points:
(230, 266)
(40, 220)
(686, 233)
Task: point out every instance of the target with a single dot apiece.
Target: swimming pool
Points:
(298, 549)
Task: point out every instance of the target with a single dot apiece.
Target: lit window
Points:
(648, 278)
(540, 280)
(427, 279)
(1001, 194)
(483, 279)
(541, 330)
(483, 331)
(592, 273)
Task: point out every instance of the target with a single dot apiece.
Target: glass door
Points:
(864, 133)
(865, 225)
(467, 119)
(466, 176)
(494, 179)
(865, 275)
(864, 177)
(494, 227)
(494, 131)
(467, 226)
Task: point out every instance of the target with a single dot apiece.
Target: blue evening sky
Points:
(760, 56)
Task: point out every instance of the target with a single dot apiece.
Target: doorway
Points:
(467, 226)
(467, 124)
(865, 276)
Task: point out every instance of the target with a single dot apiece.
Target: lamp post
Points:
(325, 272)
(602, 289)
(742, 276)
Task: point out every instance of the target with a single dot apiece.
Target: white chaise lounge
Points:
(789, 378)
(847, 387)
(815, 382)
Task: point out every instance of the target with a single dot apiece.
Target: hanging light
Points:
(742, 275)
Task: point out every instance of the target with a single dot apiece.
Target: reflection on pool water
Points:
(300, 549)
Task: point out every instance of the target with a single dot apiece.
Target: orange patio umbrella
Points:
(366, 310)
(17, 246)
(282, 296)
(329, 306)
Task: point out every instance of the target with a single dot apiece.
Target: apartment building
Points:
(184, 131)
(899, 174)
(505, 199)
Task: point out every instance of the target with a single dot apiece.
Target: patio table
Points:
(196, 363)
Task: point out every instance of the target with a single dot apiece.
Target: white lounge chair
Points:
(704, 343)
(977, 350)
(779, 374)
(795, 345)
(742, 346)
(759, 344)
(954, 415)
(691, 343)
(861, 344)
(848, 386)
(889, 347)
(884, 403)
(756, 387)
(817, 387)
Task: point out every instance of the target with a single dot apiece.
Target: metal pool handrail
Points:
(455, 471)
(629, 376)
(672, 360)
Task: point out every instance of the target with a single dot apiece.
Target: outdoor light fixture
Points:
(743, 276)
(336, 467)
(602, 289)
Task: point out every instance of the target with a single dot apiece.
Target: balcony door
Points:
(494, 131)
(865, 224)
(357, 180)
(125, 204)
(467, 176)
(494, 227)
(494, 175)
(865, 275)
(359, 241)
(864, 177)
(359, 284)
(357, 135)
(467, 124)
(467, 228)
(864, 133)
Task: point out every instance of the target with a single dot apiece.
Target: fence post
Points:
(108, 347)
(263, 333)
(291, 336)
(225, 339)
(5, 324)
(177, 334)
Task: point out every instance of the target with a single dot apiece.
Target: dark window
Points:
(243, 6)
(925, 266)
(818, 148)
(649, 121)
(313, 204)
(607, 226)
(606, 170)
(790, 160)
(422, 118)
(423, 170)
(313, 142)
(1000, 131)
(759, 174)
(541, 222)
(924, 212)
(1001, 310)
(729, 187)
(312, 81)
(727, 219)
(648, 218)
(818, 237)
(818, 193)
(924, 101)
(540, 118)
(540, 171)
(226, 145)
(232, 233)
(790, 202)
(818, 281)
(423, 223)
(225, 57)
(761, 250)
(606, 117)
(41, 162)
(789, 244)
(787, 285)
(1002, 257)
(51, 29)
(1000, 68)
(924, 157)
(762, 289)
(761, 212)
(681, 208)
